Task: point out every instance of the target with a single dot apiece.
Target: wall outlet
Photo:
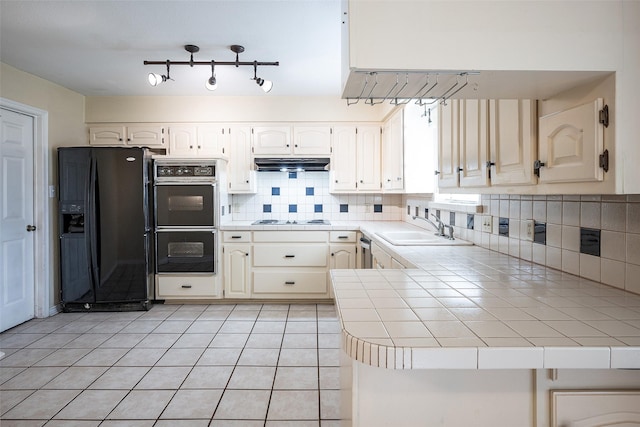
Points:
(487, 223)
(529, 230)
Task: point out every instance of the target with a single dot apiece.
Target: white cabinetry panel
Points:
(474, 142)
(448, 121)
(571, 142)
(512, 140)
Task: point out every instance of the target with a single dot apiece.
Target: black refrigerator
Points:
(105, 228)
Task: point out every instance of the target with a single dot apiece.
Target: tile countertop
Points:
(466, 307)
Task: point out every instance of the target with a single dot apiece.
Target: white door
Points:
(448, 117)
(17, 287)
(368, 158)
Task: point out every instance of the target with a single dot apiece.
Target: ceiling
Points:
(97, 48)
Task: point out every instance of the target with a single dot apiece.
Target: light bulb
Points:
(156, 79)
(211, 84)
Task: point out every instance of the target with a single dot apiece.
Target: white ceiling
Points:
(98, 47)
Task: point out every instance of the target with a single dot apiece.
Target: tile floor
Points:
(175, 365)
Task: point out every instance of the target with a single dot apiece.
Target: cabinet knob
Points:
(287, 145)
(247, 181)
(246, 254)
(361, 181)
(31, 228)
(459, 169)
(336, 181)
(190, 147)
(186, 286)
(388, 179)
(489, 164)
(289, 283)
(437, 172)
(129, 139)
(296, 145)
(199, 147)
(289, 256)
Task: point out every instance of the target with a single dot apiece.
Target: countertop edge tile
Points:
(510, 358)
(577, 357)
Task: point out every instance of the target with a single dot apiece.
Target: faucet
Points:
(450, 228)
(439, 227)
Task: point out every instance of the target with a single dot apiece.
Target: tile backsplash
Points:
(595, 237)
(305, 196)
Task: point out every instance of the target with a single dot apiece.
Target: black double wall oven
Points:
(186, 209)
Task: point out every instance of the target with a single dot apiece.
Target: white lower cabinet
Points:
(278, 264)
(342, 249)
(279, 283)
(192, 286)
(237, 271)
(236, 254)
(290, 264)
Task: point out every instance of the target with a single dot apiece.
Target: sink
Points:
(419, 238)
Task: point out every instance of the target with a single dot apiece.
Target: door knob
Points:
(31, 228)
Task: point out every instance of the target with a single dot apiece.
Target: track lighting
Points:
(211, 83)
(155, 79)
(266, 85)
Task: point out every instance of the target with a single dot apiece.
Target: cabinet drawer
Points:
(303, 282)
(236, 236)
(290, 236)
(186, 286)
(276, 255)
(342, 236)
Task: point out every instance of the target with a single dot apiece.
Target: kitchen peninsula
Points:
(474, 337)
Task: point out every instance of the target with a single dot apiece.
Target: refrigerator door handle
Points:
(93, 238)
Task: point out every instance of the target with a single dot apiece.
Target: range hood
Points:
(287, 164)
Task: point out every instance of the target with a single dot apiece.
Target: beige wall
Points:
(167, 109)
(66, 127)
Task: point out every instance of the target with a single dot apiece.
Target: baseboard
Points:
(54, 310)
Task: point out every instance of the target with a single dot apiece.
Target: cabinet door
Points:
(368, 158)
(270, 140)
(107, 135)
(182, 140)
(448, 144)
(212, 141)
(512, 140)
(474, 142)
(146, 136)
(241, 176)
(571, 142)
(342, 257)
(393, 153)
(343, 174)
(237, 271)
(312, 140)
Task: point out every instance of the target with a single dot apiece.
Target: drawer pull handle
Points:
(289, 283)
(289, 256)
(186, 286)
(343, 237)
(236, 237)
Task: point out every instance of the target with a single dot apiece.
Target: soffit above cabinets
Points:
(389, 85)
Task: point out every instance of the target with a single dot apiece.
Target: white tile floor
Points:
(175, 365)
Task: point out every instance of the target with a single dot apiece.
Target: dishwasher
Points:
(365, 250)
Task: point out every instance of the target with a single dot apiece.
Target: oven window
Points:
(185, 205)
(185, 252)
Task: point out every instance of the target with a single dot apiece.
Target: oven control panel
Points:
(165, 171)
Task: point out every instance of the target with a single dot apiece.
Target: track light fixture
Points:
(266, 85)
(156, 79)
(211, 83)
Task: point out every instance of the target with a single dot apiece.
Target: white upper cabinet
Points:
(271, 140)
(213, 140)
(355, 161)
(343, 175)
(570, 144)
(368, 157)
(393, 153)
(137, 135)
(241, 175)
(449, 126)
(183, 140)
(512, 141)
(292, 140)
(474, 142)
(312, 140)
